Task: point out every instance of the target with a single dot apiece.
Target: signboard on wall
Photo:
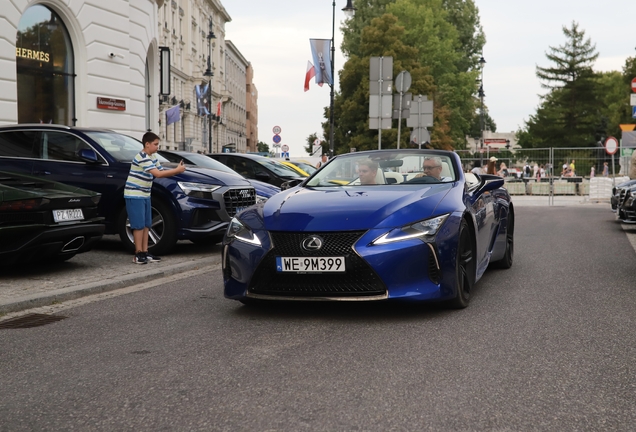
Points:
(111, 104)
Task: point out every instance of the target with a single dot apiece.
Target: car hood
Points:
(264, 189)
(350, 207)
(209, 176)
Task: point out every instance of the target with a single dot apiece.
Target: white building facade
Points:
(90, 63)
(236, 108)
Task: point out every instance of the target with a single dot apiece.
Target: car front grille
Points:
(358, 280)
(238, 199)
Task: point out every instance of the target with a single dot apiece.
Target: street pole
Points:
(333, 78)
(208, 73)
(482, 63)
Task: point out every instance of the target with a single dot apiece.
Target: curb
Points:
(75, 292)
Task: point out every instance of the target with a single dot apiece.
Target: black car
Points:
(259, 168)
(623, 201)
(264, 191)
(196, 205)
(44, 220)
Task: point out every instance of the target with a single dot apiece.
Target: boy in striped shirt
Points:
(144, 168)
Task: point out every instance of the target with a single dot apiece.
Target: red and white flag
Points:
(311, 72)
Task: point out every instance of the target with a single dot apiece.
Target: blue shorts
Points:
(139, 213)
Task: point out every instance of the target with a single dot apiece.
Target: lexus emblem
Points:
(312, 243)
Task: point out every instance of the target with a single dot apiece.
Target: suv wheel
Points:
(163, 233)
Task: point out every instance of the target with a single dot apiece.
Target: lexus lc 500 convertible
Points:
(377, 225)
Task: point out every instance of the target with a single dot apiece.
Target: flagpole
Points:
(333, 78)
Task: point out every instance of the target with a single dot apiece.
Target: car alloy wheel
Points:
(465, 267)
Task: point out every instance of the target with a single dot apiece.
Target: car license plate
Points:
(68, 215)
(310, 264)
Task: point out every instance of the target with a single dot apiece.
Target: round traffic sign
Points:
(634, 85)
(316, 141)
(284, 148)
(277, 130)
(611, 145)
(277, 139)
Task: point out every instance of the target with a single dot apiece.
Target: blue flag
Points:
(322, 60)
(202, 101)
(173, 115)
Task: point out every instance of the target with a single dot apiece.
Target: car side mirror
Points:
(491, 182)
(88, 155)
(291, 183)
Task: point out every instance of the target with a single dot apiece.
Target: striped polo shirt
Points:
(139, 181)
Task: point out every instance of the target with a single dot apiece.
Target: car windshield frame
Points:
(394, 168)
(201, 161)
(120, 147)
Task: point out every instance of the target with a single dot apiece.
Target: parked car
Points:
(196, 205)
(259, 168)
(301, 172)
(623, 201)
(307, 167)
(408, 236)
(42, 220)
(264, 191)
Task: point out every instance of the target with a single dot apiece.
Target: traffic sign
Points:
(277, 139)
(633, 112)
(316, 142)
(611, 145)
(634, 85)
(284, 148)
(277, 130)
(632, 99)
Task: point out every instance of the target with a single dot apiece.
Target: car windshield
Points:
(278, 168)
(199, 160)
(121, 147)
(387, 167)
(309, 169)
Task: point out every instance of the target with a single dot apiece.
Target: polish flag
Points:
(218, 109)
(311, 72)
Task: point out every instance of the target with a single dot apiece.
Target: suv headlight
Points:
(198, 190)
(241, 232)
(421, 229)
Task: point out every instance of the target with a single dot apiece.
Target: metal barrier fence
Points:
(557, 180)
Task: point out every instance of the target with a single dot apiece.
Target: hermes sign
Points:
(111, 104)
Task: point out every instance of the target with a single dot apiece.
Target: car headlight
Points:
(241, 232)
(198, 190)
(421, 229)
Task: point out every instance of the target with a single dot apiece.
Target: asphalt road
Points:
(547, 345)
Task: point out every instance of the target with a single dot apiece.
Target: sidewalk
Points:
(105, 268)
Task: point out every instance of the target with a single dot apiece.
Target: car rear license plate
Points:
(68, 215)
(310, 264)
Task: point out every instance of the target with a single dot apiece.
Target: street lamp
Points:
(208, 73)
(481, 95)
(349, 11)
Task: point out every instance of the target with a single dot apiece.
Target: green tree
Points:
(309, 147)
(262, 147)
(569, 114)
(446, 36)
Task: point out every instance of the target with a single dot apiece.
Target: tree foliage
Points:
(570, 114)
(436, 41)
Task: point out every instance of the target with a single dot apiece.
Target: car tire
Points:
(506, 261)
(162, 236)
(465, 267)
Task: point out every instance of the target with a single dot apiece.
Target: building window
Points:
(45, 69)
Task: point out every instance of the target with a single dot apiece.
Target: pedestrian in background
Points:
(143, 169)
(322, 161)
(632, 167)
(605, 169)
(491, 168)
(592, 172)
(477, 168)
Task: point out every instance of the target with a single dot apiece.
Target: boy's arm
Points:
(157, 173)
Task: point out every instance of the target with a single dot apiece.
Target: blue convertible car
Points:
(386, 224)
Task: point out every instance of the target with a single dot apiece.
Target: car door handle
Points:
(42, 173)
